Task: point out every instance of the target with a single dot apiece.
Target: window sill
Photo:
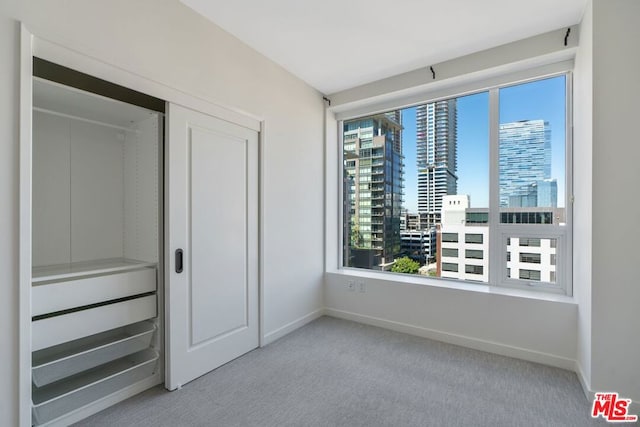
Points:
(453, 284)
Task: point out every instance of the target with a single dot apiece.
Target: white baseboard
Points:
(483, 345)
(634, 408)
(586, 387)
(291, 326)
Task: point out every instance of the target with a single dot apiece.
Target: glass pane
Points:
(532, 136)
(462, 209)
(531, 258)
(416, 183)
(372, 187)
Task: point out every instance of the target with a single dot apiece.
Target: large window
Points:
(478, 177)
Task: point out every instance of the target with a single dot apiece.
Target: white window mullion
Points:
(569, 197)
(342, 204)
(495, 254)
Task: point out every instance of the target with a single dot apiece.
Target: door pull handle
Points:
(179, 263)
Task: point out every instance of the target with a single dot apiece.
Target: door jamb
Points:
(24, 220)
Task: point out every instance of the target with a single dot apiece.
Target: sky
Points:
(543, 99)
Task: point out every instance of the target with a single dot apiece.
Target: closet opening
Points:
(97, 242)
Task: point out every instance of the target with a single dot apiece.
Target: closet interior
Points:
(96, 249)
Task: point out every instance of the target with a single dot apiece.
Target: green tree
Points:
(405, 265)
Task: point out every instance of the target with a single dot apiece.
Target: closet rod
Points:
(82, 119)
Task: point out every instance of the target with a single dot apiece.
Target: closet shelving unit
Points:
(96, 273)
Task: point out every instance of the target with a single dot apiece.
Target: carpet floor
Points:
(333, 372)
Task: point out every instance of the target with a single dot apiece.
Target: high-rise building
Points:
(525, 165)
(436, 141)
(374, 174)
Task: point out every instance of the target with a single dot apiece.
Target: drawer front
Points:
(67, 327)
(52, 297)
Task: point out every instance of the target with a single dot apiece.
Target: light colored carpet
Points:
(333, 372)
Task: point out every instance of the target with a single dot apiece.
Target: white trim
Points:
(292, 326)
(584, 383)
(324, 185)
(536, 231)
(461, 340)
(494, 184)
(568, 184)
(340, 196)
(261, 240)
(24, 219)
(332, 168)
(165, 254)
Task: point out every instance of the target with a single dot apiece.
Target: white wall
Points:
(51, 196)
(538, 330)
(582, 184)
(166, 42)
(96, 192)
(616, 150)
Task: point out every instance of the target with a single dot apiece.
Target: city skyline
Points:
(544, 101)
(408, 160)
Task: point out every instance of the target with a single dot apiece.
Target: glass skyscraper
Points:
(373, 169)
(525, 165)
(436, 153)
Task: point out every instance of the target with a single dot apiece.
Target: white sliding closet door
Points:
(212, 217)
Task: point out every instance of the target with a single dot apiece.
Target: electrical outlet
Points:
(362, 287)
(351, 286)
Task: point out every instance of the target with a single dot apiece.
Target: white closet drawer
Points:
(54, 400)
(61, 361)
(58, 296)
(67, 327)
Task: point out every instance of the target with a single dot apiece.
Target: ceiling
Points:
(338, 44)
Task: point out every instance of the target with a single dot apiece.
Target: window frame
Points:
(498, 232)
(547, 233)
